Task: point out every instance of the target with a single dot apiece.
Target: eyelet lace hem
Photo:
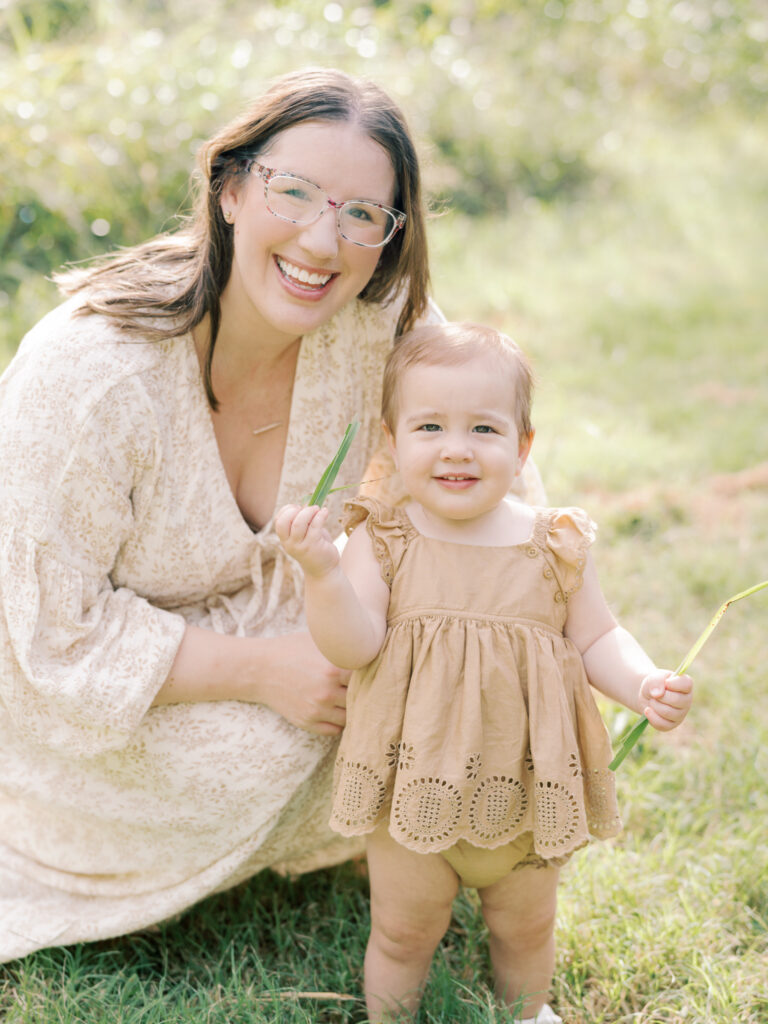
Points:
(428, 813)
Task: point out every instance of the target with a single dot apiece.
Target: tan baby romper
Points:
(476, 721)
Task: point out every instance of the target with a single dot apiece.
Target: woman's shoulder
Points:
(359, 337)
(67, 328)
(89, 352)
(370, 322)
(73, 370)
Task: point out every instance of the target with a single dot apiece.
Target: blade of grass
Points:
(347, 487)
(336, 996)
(325, 483)
(637, 730)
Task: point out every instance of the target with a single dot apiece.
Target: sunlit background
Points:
(598, 173)
(597, 170)
(515, 104)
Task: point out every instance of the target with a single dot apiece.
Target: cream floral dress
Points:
(117, 529)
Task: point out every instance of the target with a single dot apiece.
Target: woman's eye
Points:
(361, 213)
(483, 428)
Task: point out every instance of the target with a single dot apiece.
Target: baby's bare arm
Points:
(617, 665)
(346, 606)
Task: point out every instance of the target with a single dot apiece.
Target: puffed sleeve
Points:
(387, 527)
(80, 660)
(570, 533)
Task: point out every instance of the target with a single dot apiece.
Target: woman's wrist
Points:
(285, 673)
(210, 666)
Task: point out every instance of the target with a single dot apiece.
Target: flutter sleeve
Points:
(570, 534)
(387, 527)
(80, 659)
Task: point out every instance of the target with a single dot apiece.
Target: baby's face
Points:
(456, 443)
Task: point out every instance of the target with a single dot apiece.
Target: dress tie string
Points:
(286, 587)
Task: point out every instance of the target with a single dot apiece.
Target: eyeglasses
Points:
(301, 202)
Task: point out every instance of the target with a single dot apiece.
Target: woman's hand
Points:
(303, 535)
(666, 698)
(297, 682)
(286, 673)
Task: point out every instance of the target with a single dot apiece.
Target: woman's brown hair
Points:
(179, 277)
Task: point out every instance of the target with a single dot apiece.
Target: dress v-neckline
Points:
(223, 481)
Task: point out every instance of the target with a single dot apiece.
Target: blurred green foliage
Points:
(104, 103)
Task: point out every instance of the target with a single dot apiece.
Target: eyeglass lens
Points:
(302, 202)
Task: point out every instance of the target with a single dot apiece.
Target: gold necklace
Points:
(269, 426)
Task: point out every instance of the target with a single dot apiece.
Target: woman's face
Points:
(288, 279)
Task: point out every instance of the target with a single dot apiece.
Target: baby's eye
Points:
(430, 428)
(483, 428)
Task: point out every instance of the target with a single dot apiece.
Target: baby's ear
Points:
(524, 450)
(390, 442)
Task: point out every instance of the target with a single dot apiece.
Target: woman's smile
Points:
(306, 282)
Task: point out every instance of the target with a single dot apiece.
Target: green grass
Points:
(645, 310)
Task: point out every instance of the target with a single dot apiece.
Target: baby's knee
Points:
(522, 931)
(405, 939)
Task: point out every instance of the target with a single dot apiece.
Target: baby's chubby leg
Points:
(519, 910)
(411, 899)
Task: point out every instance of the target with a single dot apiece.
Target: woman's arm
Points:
(286, 673)
(617, 665)
(346, 607)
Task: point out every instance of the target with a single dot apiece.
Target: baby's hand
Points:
(303, 535)
(666, 698)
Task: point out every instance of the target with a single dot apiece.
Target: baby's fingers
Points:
(669, 700)
(663, 717)
(304, 520)
(679, 684)
(284, 520)
(316, 524)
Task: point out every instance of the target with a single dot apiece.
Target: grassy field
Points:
(645, 311)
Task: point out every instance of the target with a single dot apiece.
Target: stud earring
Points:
(228, 216)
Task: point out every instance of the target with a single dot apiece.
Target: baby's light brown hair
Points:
(452, 344)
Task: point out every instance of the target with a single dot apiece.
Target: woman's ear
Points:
(230, 200)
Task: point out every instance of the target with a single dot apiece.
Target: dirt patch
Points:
(733, 484)
(722, 503)
(723, 395)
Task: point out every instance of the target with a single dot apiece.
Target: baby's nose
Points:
(457, 448)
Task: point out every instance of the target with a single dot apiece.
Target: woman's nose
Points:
(321, 237)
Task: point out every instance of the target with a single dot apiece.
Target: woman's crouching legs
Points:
(411, 899)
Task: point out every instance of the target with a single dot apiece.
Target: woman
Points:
(167, 726)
